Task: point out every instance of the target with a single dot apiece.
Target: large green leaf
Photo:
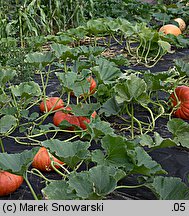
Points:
(39, 58)
(156, 81)
(157, 142)
(58, 190)
(26, 89)
(82, 184)
(182, 66)
(7, 122)
(103, 179)
(180, 130)
(64, 52)
(6, 74)
(106, 71)
(84, 109)
(97, 128)
(120, 152)
(110, 107)
(96, 26)
(169, 188)
(90, 50)
(144, 163)
(166, 46)
(73, 82)
(67, 79)
(134, 88)
(96, 183)
(69, 152)
(116, 152)
(177, 126)
(81, 87)
(62, 38)
(17, 163)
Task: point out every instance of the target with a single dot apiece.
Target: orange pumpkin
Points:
(9, 182)
(42, 160)
(53, 103)
(170, 29)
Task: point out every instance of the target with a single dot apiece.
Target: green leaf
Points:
(82, 184)
(169, 188)
(177, 126)
(106, 71)
(120, 60)
(8, 110)
(98, 157)
(7, 122)
(6, 74)
(90, 50)
(40, 58)
(84, 109)
(144, 163)
(103, 179)
(134, 88)
(73, 82)
(94, 184)
(64, 52)
(70, 152)
(96, 27)
(180, 130)
(162, 16)
(17, 163)
(26, 89)
(116, 151)
(81, 87)
(67, 79)
(110, 107)
(48, 126)
(165, 46)
(97, 128)
(155, 81)
(25, 114)
(158, 142)
(61, 39)
(58, 190)
(182, 66)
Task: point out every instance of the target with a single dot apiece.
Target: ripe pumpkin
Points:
(182, 24)
(170, 29)
(182, 105)
(92, 85)
(42, 160)
(9, 182)
(50, 102)
(83, 120)
(61, 116)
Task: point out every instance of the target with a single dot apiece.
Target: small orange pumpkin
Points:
(170, 29)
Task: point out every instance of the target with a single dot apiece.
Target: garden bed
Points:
(174, 160)
(102, 102)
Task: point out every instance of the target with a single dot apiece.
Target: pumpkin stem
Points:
(30, 187)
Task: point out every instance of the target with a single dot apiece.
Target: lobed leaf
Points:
(7, 122)
(70, 152)
(17, 163)
(169, 188)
